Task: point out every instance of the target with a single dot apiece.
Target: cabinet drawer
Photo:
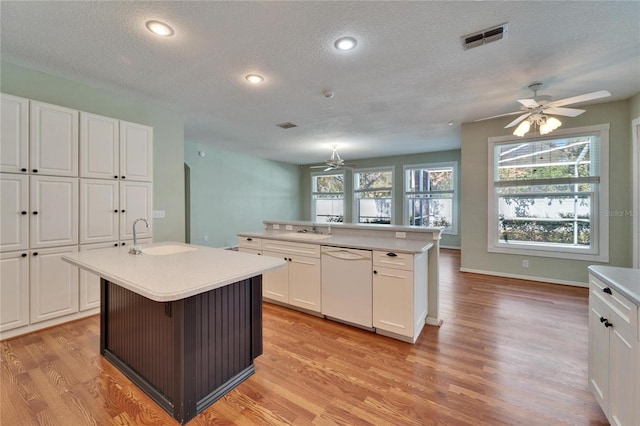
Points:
(626, 310)
(393, 260)
(250, 243)
(310, 250)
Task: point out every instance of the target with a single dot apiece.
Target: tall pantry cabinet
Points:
(69, 181)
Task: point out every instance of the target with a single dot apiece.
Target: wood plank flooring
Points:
(510, 352)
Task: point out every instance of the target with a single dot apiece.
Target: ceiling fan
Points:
(537, 110)
(335, 162)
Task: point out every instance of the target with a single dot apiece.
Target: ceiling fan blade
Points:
(499, 115)
(567, 112)
(316, 167)
(582, 98)
(529, 103)
(517, 120)
(328, 168)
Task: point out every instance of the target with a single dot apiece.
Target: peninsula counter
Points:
(182, 322)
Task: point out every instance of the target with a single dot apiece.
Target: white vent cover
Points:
(485, 36)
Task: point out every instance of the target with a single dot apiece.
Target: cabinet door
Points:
(598, 351)
(14, 208)
(89, 282)
(304, 283)
(99, 147)
(99, 212)
(135, 202)
(275, 284)
(54, 140)
(393, 300)
(623, 374)
(14, 134)
(54, 284)
(14, 290)
(54, 211)
(136, 152)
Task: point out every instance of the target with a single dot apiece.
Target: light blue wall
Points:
(398, 182)
(168, 133)
(233, 193)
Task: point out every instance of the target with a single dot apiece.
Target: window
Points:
(328, 197)
(372, 189)
(546, 194)
(430, 196)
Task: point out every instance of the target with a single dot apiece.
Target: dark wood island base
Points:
(185, 354)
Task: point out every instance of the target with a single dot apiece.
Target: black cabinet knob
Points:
(115, 211)
(23, 212)
(35, 253)
(35, 212)
(115, 245)
(249, 239)
(115, 177)
(35, 170)
(607, 290)
(602, 319)
(608, 324)
(375, 272)
(23, 169)
(122, 210)
(392, 255)
(24, 254)
(122, 177)
(123, 244)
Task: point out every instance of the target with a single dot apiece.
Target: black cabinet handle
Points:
(249, 239)
(35, 212)
(122, 177)
(123, 244)
(375, 272)
(24, 212)
(289, 259)
(115, 177)
(122, 210)
(35, 170)
(608, 324)
(602, 319)
(392, 255)
(23, 169)
(115, 211)
(35, 253)
(24, 255)
(115, 245)
(606, 290)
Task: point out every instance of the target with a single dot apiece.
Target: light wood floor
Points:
(509, 352)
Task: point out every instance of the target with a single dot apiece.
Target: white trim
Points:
(635, 168)
(525, 277)
(456, 195)
(355, 210)
(599, 251)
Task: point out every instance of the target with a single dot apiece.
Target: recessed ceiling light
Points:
(159, 28)
(345, 43)
(450, 123)
(254, 78)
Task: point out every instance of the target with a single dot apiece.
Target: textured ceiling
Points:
(394, 94)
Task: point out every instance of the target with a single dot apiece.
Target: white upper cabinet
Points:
(99, 212)
(14, 134)
(54, 140)
(136, 152)
(99, 147)
(14, 214)
(54, 211)
(136, 201)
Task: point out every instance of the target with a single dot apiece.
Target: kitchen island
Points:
(182, 322)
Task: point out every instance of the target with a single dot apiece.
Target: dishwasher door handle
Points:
(344, 255)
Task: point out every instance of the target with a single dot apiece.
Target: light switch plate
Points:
(401, 235)
(158, 214)
(276, 226)
(289, 227)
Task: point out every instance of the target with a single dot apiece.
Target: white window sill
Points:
(558, 253)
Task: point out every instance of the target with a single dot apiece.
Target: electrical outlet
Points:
(206, 238)
(276, 226)
(288, 227)
(525, 263)
(158, 214)
(401, 235)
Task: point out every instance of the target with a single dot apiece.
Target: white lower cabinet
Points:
(54, 284)
(400, 304)
(14, 290)
(298, 283)
(614, 354)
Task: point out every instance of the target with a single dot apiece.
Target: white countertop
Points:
(165, 278)
(399, 245)
(625, 281)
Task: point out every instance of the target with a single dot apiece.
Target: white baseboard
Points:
(450, 247)
(525, 277)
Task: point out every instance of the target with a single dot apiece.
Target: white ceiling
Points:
(394, 94)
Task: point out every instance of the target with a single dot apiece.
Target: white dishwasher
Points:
(347, 285)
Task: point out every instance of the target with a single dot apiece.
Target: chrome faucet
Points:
(134, 249)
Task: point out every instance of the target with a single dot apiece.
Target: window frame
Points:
(599, 221)
(453, 230)
(355, 192)
(314, 175)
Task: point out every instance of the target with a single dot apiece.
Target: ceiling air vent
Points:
(485, 36)
(287, 125)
